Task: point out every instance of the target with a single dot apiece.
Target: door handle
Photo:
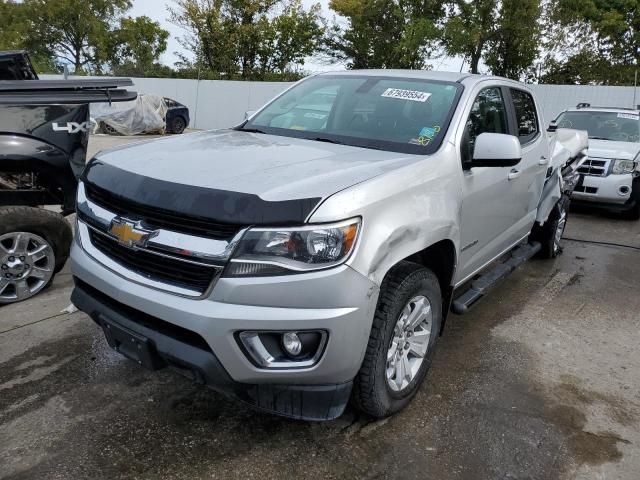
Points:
(543, 160)
(514, 173)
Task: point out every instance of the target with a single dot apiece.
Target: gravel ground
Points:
(539, 381)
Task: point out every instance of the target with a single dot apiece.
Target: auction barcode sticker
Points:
(413, 95)
(630, 116)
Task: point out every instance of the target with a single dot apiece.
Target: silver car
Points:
(310, 255)
(612, 168)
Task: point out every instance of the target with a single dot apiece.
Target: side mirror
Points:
(496, 150)
(553, 126)
(248, 114)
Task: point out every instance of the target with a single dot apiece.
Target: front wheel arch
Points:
(441, 259)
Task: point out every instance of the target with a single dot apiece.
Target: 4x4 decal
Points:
(71, 127)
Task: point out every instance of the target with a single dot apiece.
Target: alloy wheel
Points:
(409, 344)
(27, 263)
(562, 223)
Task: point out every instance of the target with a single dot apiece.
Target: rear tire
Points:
(634, 212)
(178, 125)
(399, 351)
(46, 227)
(550, 233)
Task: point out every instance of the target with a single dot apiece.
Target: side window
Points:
(488, 114)
(526, 116)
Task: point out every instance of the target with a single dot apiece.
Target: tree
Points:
(601, 40)
(12, 24)
(136, 46)
(76, 31)
(514, 46)
(468, 29)
(505, 34)
(247, 39)
(384, 33)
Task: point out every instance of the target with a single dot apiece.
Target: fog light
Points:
(283, 349)
(291, 343)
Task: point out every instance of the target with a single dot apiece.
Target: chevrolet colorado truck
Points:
(611, 173)
(310, 255)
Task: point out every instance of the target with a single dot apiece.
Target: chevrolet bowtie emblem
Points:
(130, 234)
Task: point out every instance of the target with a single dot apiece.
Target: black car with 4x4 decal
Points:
(44, 131)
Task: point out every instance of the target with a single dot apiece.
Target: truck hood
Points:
(234, 176)
(611, 149)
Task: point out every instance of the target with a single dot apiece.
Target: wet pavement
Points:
(541, 380)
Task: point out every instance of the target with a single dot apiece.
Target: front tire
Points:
(34, 246)
(402, 341)
(550, 233)
(634, 212)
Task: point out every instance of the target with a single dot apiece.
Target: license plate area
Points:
(132, 345)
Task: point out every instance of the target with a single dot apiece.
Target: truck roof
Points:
(458, 77)
(633, 111)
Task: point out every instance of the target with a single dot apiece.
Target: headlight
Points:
(621, 167)
(282, 251)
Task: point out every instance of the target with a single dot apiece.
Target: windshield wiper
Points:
(598, 138)
(251, 130)
(327, 140)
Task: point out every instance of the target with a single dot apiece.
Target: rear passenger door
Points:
(530, 173)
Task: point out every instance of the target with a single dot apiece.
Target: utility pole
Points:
(635, 88)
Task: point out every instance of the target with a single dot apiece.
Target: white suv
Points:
(612, 169)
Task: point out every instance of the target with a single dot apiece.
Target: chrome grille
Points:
(177, 262)
(594, 167)
(171, 270)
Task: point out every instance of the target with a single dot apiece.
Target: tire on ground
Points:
(51, 226)
(371, 392)
(178, 125)
(545, 234)
(634, 212)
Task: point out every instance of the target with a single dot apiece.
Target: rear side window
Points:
(526, 116)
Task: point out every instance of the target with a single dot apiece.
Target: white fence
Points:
(220, 103)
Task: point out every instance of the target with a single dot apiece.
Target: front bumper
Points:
(612, 189)
(339, 301)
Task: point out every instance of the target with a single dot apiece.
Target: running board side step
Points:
(481, 285)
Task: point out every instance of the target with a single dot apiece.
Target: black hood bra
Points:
(220, 206)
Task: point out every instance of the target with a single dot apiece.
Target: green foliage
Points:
(12, 25)
(136, 46)
(505, 34)
(384, 33)
(247, 39)
(601, 40)
(75, 31)
(89, 35)
(514, 46)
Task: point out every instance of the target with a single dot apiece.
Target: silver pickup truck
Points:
(310, 255)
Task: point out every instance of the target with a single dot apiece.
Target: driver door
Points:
(491, 206)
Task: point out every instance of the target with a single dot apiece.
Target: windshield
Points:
(396, 114)
(621, 127)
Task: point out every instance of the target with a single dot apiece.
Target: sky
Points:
(158, 10)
